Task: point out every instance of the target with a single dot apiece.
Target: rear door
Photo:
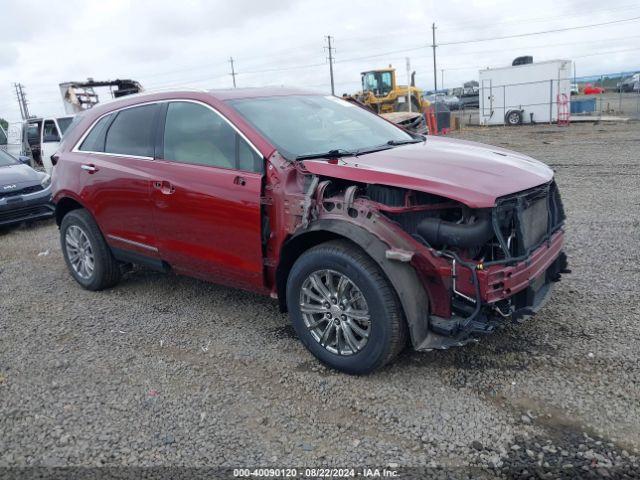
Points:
(206, 196)
(116, 172)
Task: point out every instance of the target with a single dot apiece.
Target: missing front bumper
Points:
(463, 327)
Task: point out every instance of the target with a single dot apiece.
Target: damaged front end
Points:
(502, 260)
(479, 267)
(459, 271)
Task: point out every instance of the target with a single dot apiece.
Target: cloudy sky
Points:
(165, 44)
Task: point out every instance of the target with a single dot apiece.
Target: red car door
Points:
(114, 160)
(206, 196)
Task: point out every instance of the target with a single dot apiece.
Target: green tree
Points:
(4, 124)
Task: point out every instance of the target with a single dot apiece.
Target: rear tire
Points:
(370, 306)
(87, 255)
(514, 118)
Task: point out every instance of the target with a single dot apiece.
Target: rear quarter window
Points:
(94, 141)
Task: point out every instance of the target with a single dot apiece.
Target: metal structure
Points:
(80, 96)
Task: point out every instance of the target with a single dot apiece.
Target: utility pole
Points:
(331, 49)
(442, 78)
(233, 72)
(409, 84)
(435, 70)
(22, 100)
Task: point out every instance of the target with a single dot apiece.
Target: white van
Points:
(43, 137)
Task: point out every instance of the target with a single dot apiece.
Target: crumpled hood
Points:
(469, 172)
(19, 175)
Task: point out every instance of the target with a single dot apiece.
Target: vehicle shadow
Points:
(26, 226)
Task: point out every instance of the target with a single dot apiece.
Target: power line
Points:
(520, 21)
(278, 69)
(555, 30)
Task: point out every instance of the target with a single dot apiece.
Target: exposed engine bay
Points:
(500, 260)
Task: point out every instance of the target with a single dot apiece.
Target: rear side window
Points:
(94, 142)
(195, 134)
(131, 133)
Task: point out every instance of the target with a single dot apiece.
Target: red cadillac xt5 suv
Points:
(369, 236)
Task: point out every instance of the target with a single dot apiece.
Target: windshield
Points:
(6, 159)
(306, 124)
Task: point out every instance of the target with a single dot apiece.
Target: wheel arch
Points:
(66, 204)
(402, 276)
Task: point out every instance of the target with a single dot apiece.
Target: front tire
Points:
(344, 309)
(86, 253)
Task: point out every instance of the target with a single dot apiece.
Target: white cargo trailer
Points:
(525, 93)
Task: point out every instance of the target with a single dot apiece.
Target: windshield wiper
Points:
(337, 153)
(395, 143)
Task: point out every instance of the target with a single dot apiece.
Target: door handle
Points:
(164, 187)
(240, 181)
(89, 167)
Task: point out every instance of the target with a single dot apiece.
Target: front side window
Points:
(306, 124)
(94, 142)
(131, 133)
(197, 135)
(50, 133)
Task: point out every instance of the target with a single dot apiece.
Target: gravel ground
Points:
(170, 371)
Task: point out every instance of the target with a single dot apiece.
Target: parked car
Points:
(590, 89)
(25, 194)
(469, 95)
(630, 84)
(451, 101)
(367, 235)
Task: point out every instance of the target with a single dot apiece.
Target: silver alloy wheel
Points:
(79, 251)
(335, 312)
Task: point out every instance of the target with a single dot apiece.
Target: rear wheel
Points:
(86, 253)
(344, 309)
(514, 117)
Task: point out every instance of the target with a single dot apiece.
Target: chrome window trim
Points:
(76, 148)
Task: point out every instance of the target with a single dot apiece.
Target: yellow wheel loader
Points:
(382, 94)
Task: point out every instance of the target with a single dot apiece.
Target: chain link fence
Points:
(541, 101)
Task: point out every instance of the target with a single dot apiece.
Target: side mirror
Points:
(24, 159)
